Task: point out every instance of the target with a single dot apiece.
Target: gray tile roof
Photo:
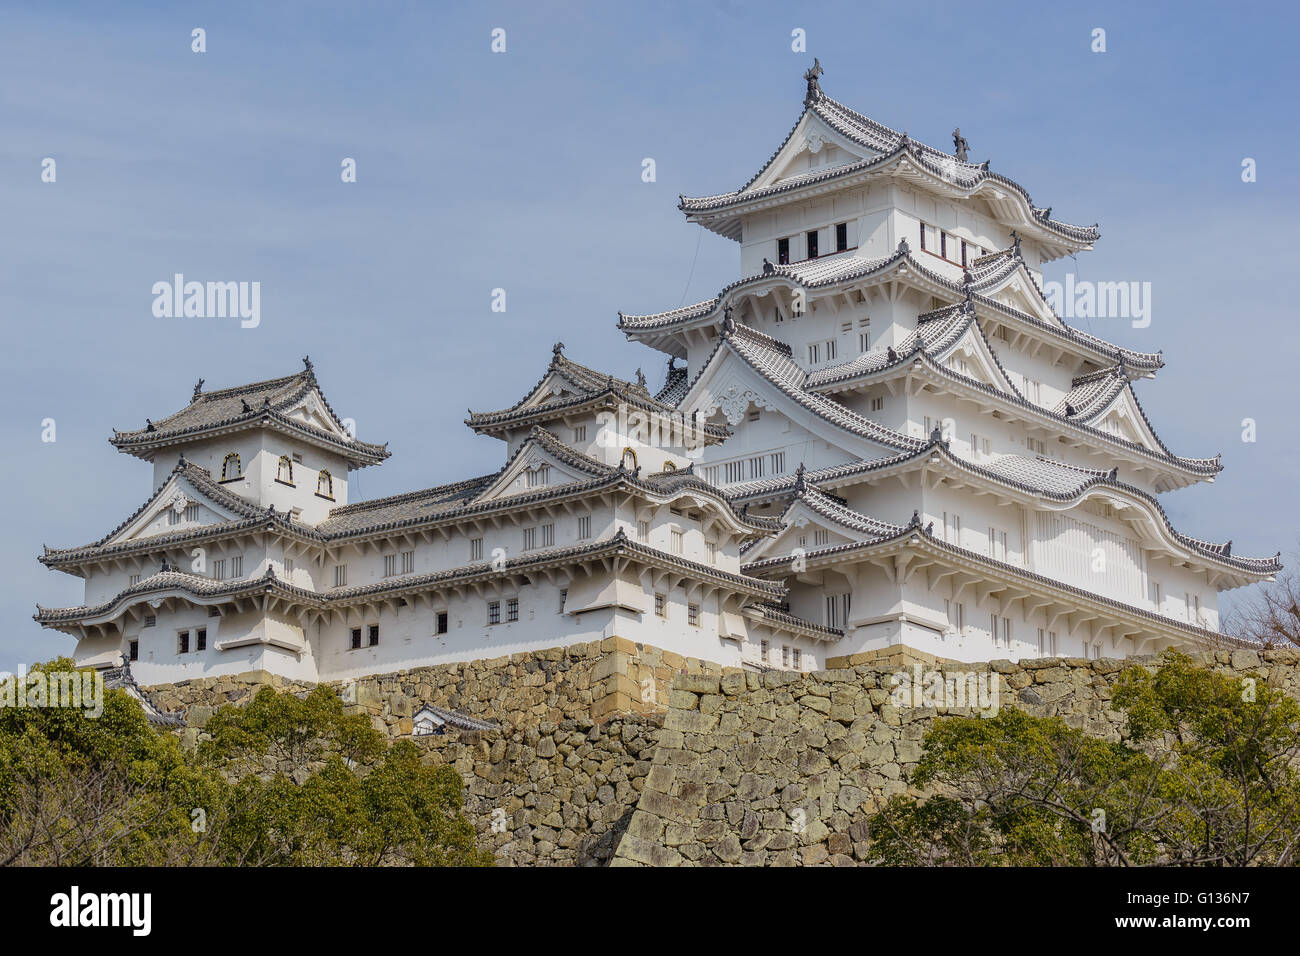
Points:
(248, 406)
(853, 267)
(585, 385)
(887, 146)
(926, 538)
(120, 678)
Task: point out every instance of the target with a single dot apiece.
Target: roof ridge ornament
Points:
(640, 380)
(308, 367)
(728, 323)
(768, 268)
(557, 350)
(1015, 245)
(198, 390)
(959, 145)
(814, 93)
(936, 435)
(800, 483)
(148, 425)
(903, 248)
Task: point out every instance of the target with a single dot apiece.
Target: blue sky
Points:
(522, 171)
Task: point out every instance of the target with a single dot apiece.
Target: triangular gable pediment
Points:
(553, 388)
(178, 496)
(730, 386)
(970, 356)
(813, 146)
(1123, 419)
(806, 531)
(535, 469)
(311, 410)
(1017, 291)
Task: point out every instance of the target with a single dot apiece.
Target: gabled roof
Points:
(882, 148)
(260, 404)
(827, 272)
(245, 515)
(920, 536)
(121, 678)
(773, 360)
(567, 387)
(1044, 478)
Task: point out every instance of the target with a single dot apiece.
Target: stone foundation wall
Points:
(784, 769)
(556, 784)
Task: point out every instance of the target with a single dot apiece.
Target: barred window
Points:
(408, 562)
(494, 612)
(476, 549)
(584, 527)
(512, 609)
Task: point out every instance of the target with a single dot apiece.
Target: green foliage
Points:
(1207, 777)
(281, 781)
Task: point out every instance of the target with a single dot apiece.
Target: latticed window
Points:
(494, 612)
(231, 468)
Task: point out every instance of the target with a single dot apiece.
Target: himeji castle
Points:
(880, 435)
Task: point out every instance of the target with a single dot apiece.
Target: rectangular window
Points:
(922, 237)
(340, 575)
(580, 433)
(408, 562)
(963, 253)
(530, 538)
(374, 634)
(354, 638)
(643, 530)
(133, 581)
(539, 476)
(390, 565)
(821, 537)
(564, 598)
(191, 512)
(584, 527)
(201, 639)
(711, 551)
(814, 353)
(442, 623)
(762, 651)
(150, 620)
(841, 236)
(548, 535)
(512, 609)
(733, 471)
(795, 659)
(133, 650)
(1006, 631)
(476, 549)
(661, 606)
(676, 542)
(1157, 595)
(878, 404)
(173, 517)
(785, 656)
(288, 567)
(777, 459)
(812, 244)
(494, 612)
(237, 566)
(183, 642)
(783, 252)
(219, 569)
(943, 245)
(693, 615)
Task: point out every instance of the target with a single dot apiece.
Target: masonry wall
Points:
(614, 752)
(783, 769)
(557, 784)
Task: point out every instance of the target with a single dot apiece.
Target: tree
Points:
(1207, 777)
(1269, 614)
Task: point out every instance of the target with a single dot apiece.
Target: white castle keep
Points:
(881, 434)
